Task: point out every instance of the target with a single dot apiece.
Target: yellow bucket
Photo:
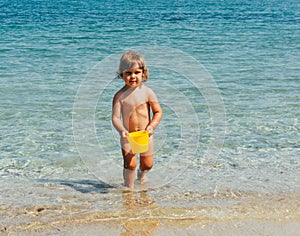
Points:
(138, 141)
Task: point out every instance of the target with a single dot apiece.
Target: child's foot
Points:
(125, 189)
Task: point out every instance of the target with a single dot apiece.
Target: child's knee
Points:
(129, 163)
(146, 166)
(130, 166)
(149, 167)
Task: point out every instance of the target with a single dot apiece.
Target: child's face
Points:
(133, 77)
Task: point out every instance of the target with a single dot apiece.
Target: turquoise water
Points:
(250, 48)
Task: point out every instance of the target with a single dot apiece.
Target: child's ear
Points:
(143, 76)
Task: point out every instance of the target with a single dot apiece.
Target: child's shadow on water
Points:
(88, 186)
(83, 186)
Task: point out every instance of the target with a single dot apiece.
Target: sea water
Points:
(248, 50)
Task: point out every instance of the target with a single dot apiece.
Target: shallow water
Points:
(234, 133)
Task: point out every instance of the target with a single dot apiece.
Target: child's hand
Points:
(124, 134)
(150, 130)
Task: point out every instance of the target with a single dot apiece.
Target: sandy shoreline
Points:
(261, 215)
(233, 228)
(154, 227)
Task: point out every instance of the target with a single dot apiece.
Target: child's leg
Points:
(146, 161)
(128, 176)
(129, 160)
(129, 169)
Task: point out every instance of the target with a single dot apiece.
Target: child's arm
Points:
(116, 118)
(157, 116)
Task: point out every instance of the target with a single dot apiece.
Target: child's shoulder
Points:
(149, 92)
(119, 93)
(146, 88)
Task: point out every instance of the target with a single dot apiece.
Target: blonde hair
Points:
(132, 59)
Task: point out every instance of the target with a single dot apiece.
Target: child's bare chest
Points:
(134, 101)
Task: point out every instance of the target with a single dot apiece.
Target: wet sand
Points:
(246, 227)
(263, 215)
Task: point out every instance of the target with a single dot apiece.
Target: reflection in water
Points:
(137, 203)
